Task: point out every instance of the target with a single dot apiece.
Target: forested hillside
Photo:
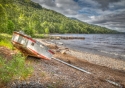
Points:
(32, 18)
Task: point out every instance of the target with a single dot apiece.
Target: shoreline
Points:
(57, 75)
(106, 45)
(101, 67)
(99, 59)
(94, 58)
(96, 52)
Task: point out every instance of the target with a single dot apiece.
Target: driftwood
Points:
(62, 50)
(55, 46)
(64, 37)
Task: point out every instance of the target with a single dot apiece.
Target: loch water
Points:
(112, 45)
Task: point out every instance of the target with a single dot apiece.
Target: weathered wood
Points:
(64, 37)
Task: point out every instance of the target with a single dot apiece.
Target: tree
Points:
(47, 30)
(6, 1)
(61, 29)
(10, 26)
(29, 31)
(3, 18)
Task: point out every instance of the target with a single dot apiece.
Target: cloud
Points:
(113, 21)
(82, 17)
(104, 4)
(66, 7)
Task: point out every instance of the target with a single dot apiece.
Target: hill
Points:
(32, 18)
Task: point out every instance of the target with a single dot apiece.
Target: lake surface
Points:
(112, 45)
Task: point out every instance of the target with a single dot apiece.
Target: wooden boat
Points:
(30, 47)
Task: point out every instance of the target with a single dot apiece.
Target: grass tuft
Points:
(39, 36)
(14, 69)
(5, 40)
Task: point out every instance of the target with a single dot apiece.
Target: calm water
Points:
(105, 44)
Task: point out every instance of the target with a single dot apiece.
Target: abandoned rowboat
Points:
(30, 47)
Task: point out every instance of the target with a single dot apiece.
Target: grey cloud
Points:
(114, 24)
(82, 17)
(104, 4)
(69, 11)
(46, 2)
(66, 7)
(120, 17)
(111, 20)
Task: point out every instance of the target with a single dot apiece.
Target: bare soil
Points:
(6, 53)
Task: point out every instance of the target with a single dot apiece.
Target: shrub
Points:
(14, 69)
(10, 27)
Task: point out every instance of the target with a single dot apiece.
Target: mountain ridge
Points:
(32, 18)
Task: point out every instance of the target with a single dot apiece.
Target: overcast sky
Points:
(106, 13)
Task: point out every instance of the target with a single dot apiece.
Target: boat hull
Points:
(30, 47)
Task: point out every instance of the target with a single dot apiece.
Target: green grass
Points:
(5, 40)
(14, 69)
(6, 43)
(6, 35)
(39, 36)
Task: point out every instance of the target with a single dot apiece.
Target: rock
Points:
(27, 85)
(60, 43)
(63, 52)
(58, 38)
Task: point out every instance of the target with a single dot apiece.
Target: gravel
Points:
(53, 74)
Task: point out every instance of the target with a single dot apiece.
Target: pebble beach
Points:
(105, 72)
